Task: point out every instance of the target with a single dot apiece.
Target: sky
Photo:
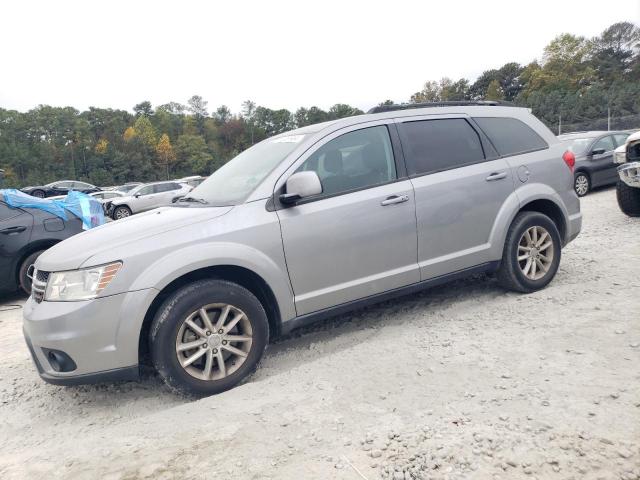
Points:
(280, 54)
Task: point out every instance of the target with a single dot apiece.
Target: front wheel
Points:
(38, 194)
(121, 212)
(581, 184)
(531, 253)
(208, 336)
(628, 199)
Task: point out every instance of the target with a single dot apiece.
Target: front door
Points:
(358, 238)
(603, 168)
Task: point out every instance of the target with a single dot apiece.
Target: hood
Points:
(633, 137)
(73, 252)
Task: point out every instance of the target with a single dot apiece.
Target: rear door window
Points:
(510, 136)
(435, 145)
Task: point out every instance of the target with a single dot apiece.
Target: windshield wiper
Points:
(193, 199)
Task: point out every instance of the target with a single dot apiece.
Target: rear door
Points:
(145, 199)
(460, 186)
(603, 169)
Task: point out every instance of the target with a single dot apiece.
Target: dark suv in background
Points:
(594, 158)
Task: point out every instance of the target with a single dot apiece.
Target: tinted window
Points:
(81, 185)
(621, 138)
(63, 185)
(353, 161)
(605, 143)
(436, 145)
(511, 136)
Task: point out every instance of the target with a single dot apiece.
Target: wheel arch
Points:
(241, 275)
(550, 209)
(28, 250)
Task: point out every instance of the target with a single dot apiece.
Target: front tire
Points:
(38, 193)
(121, 212)
(208, 337)
(581, 184)
(23, 272)
(531, 253)
(628, 199)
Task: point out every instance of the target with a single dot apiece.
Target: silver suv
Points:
(145, 197)
(304, 225)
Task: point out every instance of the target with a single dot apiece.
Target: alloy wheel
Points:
(214, 341)
(535, 252)
(582, 185)
(121, 213)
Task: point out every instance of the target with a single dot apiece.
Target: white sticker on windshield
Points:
(289, 139)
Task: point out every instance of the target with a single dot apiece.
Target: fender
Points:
(180, 262)
(514, 203)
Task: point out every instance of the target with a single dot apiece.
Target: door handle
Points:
(393, 199)
(496, 176)
(12, 230)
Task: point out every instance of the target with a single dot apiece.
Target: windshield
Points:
(235, 180)
(579, 145)
(127, 188)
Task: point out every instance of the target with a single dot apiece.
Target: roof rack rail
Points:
(457, 103)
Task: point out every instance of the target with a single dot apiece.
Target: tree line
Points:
(577, 79)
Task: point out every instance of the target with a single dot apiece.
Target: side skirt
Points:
(323, 314)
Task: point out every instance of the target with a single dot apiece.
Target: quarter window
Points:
(435, 145)
(353, 161)
(510, 136)
(621, 138)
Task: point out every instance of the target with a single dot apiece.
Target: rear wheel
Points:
(581, 184)
(531, 253)
(628, 199)
(121, 212)
(208, 336)
(25, 271)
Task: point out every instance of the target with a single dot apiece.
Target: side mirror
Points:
(620, 154)
(598, 151)
(301, 185)
(137, 195)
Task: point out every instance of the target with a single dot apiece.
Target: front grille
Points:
(39, 285)
(42, 276)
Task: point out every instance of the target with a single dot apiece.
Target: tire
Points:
(23, 279)
(581, 184)
(628, 199)
(170, 329)
(38, 193)
(512, 273)
(121, 212)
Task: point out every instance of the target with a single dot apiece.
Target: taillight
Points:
(570, 159)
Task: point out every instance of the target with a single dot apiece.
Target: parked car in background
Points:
(145, 197)
(24, 234)
(628, 186)
(299, 227)
(594, 158)
(127, 187)
(192, 181)
(59, 188)
(107, 195)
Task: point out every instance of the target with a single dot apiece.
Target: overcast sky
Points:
(281, 54)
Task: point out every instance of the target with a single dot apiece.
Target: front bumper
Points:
(630, 174)
(100, 336)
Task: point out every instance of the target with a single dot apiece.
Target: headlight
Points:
(81, 284)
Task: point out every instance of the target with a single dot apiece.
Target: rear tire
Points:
(581, 184)
(121, 212)
(23, 278)
(628, 199)
(225, 352)
(528, 266)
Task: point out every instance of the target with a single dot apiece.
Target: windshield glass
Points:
(235, 180)
(579, 145)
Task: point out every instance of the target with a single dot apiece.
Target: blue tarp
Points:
(83, 206)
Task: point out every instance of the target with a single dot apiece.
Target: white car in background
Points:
(145, 197)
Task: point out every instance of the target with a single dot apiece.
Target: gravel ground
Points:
(462, 381)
